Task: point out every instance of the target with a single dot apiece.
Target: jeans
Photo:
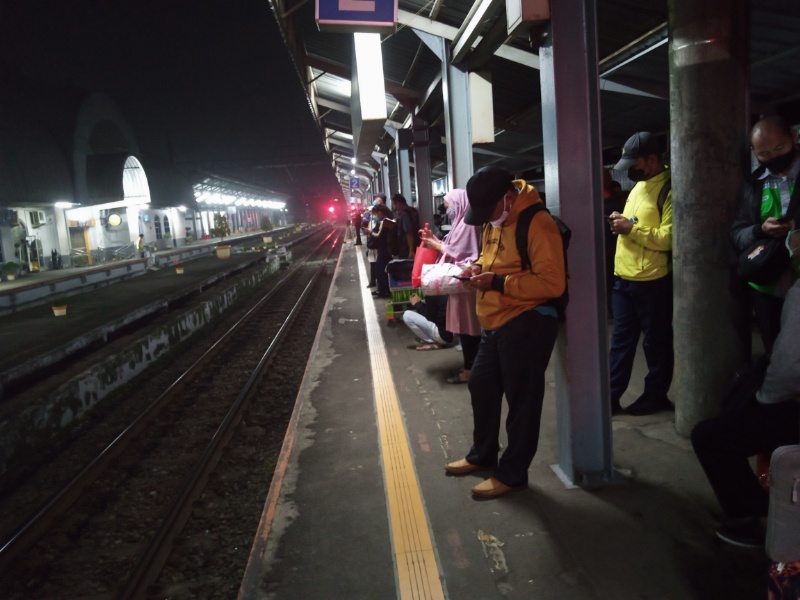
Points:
(425, 330)
(511, 360)
(642, 306)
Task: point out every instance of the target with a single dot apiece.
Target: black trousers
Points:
(511, 360)
(723, 445)
(469, 349)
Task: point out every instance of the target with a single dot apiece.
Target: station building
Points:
(76, 190)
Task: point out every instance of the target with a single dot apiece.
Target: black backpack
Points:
(399, 242)
(523, 225)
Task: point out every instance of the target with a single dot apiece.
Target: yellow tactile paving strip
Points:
(418, 574)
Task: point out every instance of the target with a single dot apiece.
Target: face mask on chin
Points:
(502, 218)
(780, 164)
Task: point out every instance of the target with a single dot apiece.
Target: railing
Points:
(125, 252)
(79, 257)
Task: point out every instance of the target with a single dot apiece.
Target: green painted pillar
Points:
(708, 72)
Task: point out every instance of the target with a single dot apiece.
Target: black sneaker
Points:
(648, 405)
(747, 533)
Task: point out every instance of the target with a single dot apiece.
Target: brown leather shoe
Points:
(492, 488)
(461, 467)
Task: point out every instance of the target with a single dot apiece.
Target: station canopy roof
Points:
(633, 66)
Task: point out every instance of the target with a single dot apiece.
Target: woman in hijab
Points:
(461, 246)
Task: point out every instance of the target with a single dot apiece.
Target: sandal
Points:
(462, 377)
(425, 347)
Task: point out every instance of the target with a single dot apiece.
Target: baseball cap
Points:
(639, 144)
(484, 189)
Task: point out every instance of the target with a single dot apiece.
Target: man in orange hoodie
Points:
(519, 328)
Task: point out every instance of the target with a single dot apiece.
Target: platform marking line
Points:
(417, 570)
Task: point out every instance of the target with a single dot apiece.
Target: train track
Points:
(111, 530)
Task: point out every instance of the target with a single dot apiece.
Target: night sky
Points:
(209, 82)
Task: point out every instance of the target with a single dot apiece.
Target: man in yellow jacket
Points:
(641, 299)
(519, 328)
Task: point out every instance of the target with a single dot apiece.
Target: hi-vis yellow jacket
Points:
(645, 253)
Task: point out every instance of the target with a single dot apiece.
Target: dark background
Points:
(207, 85)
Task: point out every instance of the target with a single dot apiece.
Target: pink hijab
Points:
(463, 243)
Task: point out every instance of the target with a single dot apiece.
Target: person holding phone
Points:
(641, 298)
(519, 329)
(461, 246)
(761, 206)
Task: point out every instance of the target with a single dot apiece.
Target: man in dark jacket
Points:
(407, 227)
(761, 206)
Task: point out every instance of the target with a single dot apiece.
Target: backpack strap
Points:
(662, 196)
(523, 226)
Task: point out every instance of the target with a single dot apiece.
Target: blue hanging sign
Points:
(375, 16)
(355, 183)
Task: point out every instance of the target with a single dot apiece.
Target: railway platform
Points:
(360, 506)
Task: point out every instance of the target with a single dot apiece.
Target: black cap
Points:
(639, 144)
(484, 190)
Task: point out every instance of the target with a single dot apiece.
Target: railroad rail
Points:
(175, 407)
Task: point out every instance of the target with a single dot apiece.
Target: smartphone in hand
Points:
(461, 277)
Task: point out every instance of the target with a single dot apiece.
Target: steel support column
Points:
(404, 172)
(457, 121)
(708, 75)
(422, 169)
(394, 180)
(571, 131)
(458, 124)
(385, 176)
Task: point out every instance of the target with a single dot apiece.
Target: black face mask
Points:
(780, 164)
(636, 174)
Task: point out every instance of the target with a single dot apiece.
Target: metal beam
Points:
(481, 12)
(506, 52)
(343, 108)
(402, 94)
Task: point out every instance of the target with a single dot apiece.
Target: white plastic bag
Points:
(439, 280)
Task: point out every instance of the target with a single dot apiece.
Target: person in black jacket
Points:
(378, 240)
(760, 210)
(408, 227)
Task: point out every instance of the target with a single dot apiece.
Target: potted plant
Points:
(266, 225)
(221, 229)
(59, 306)
(167, 237)
(10, 269)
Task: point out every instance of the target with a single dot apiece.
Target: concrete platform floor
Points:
(650, 537)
